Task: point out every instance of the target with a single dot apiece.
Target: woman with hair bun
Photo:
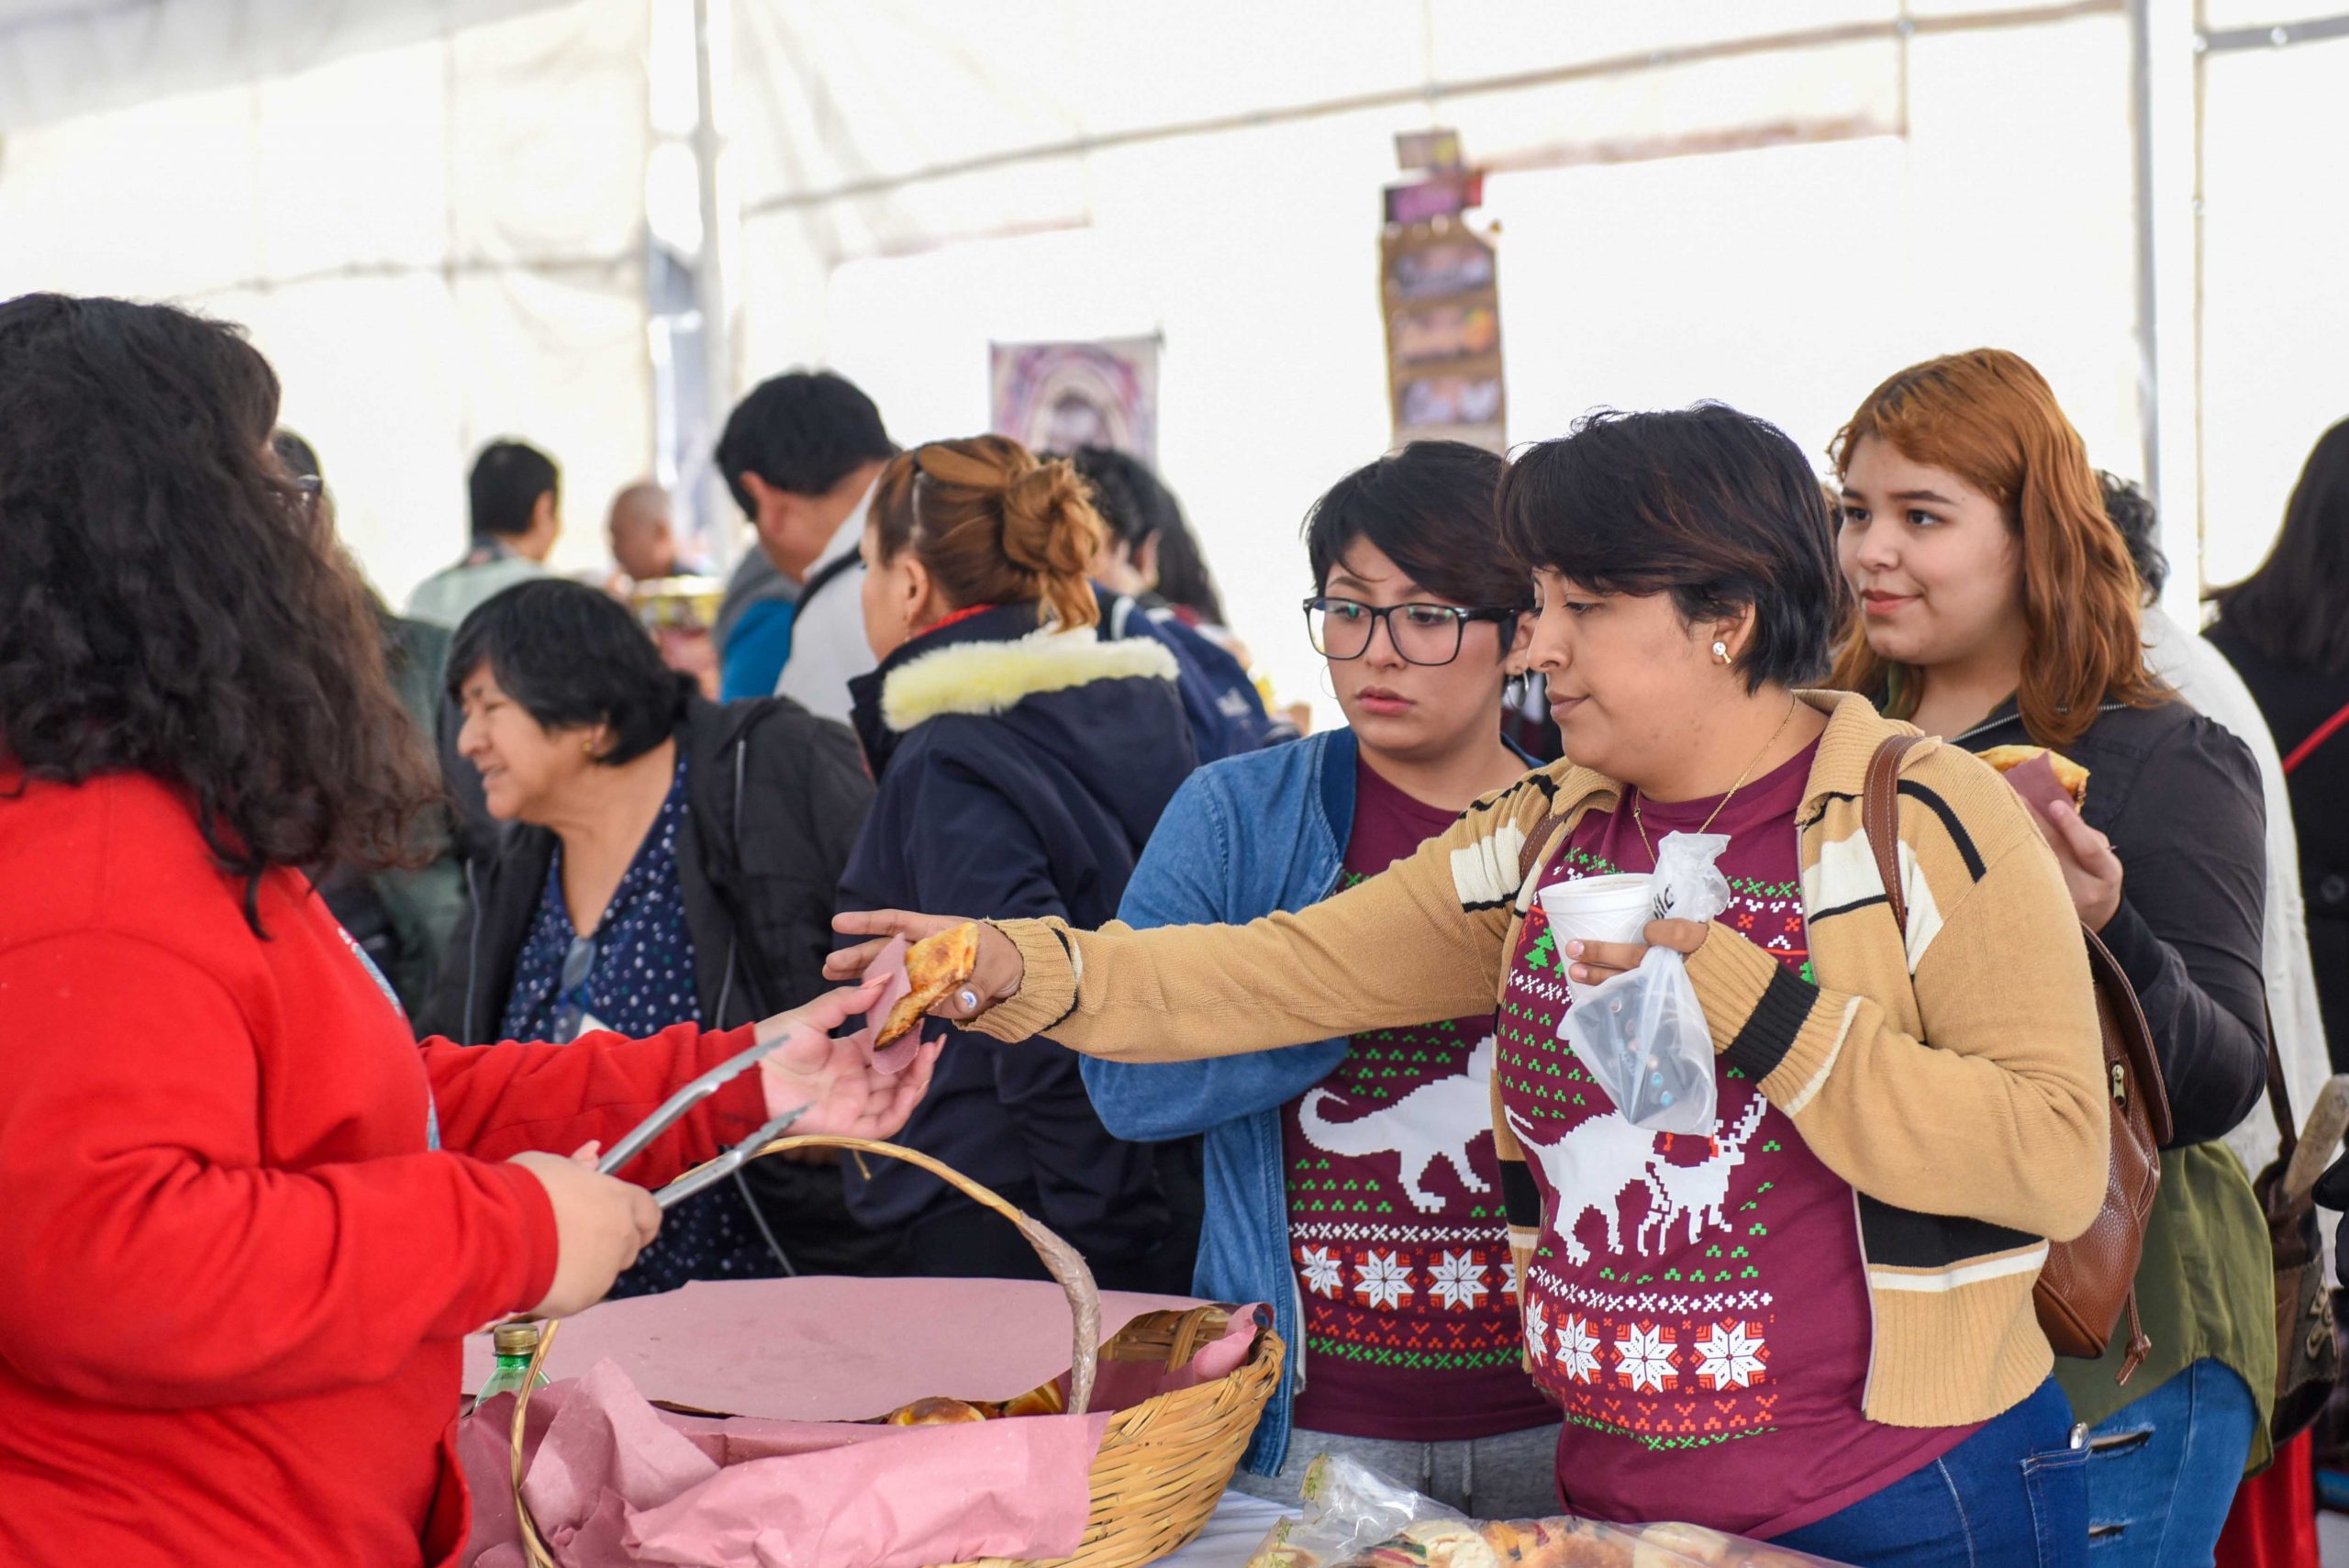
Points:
(1021, 763)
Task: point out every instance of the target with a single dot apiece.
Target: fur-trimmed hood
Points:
(1020, 773)
(988, 677)
(1099, 710)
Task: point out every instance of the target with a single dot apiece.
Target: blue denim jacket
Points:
(1245, 837)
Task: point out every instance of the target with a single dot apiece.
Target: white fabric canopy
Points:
(436, 243)
(432, 217)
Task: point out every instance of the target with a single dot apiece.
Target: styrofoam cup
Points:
(1598, 910)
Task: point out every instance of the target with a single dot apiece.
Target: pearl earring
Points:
(1721, 651)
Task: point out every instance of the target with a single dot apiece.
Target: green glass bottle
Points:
(516, 1343)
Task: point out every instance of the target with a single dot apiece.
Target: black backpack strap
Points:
(825, 576)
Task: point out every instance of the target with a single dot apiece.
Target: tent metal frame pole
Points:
(712, 284)
(2166, 135)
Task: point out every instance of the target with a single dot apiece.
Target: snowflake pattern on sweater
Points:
(1395, 1223)
(1696, 1297)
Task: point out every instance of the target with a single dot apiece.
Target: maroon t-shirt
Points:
(1698, 1302)
(1395, 1222)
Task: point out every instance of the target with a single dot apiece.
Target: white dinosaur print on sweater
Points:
(1435, 1121)
(1604, 1157)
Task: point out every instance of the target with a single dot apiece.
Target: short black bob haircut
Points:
(1429, 509)
(803, 431)
(572, 656)
(1714, 507)
(508, 479)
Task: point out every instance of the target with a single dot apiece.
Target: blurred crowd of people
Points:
(967, 679)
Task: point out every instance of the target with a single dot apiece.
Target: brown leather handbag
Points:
(2088, 1281)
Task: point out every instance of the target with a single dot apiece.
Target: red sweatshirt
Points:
(234, 1274)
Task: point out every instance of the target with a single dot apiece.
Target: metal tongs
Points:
(666, 1114)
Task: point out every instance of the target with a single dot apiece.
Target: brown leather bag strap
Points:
(2279, 1093)
(1880, 820)
(1530, 856)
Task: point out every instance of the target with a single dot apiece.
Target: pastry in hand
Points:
(935, 966)
(2012, 761)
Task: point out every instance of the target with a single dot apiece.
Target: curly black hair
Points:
(171, 603)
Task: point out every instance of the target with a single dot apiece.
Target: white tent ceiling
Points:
(432, 213)
(63, 58)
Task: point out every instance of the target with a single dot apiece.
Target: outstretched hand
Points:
(997, 978)
(847, 1096)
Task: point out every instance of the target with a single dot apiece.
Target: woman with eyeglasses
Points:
(1379, 1142)
(1021, 762)
(670, 860)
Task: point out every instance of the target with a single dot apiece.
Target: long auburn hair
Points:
(993, 525)
(171, 603)
(1991, 419)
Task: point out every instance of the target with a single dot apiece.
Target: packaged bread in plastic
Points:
(1356, 1518)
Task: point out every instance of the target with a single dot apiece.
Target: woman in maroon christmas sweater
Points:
(249, 1221)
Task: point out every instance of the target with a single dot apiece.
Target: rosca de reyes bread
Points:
(2072, 778)
(934, 967)
(935, 1413)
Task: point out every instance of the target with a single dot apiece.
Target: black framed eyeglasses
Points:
(1422, 634)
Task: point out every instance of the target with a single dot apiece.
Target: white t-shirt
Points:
(828, 646)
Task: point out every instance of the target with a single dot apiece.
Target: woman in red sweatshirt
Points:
(249, 1219)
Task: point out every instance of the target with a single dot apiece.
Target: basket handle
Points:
(1064, 1263)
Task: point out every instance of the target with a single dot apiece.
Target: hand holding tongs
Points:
(665, 1117)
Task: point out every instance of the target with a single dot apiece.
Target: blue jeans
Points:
(2163, 1470)
(2014, 1495)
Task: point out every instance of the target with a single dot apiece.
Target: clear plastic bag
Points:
(1357, 1519)
(1643, 1034)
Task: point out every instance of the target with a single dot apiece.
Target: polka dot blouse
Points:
(636, 976)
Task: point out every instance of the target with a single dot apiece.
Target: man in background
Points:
(642, 533)
(801, 454)
(515, 492)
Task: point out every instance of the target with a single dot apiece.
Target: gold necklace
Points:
(1638, 799)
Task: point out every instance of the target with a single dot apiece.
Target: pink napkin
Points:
(613, 1483)
(895, 988)
(2035, 781)
(825, 1348)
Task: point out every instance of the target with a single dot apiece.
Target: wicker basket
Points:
(1162, 1465)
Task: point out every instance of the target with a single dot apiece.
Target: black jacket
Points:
(2179, 798)
(1020, 775)
(2297, 700)
(774, 799)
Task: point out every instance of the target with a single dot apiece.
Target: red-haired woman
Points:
(1999, 606)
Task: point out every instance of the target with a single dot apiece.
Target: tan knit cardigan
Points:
(1955, 1083)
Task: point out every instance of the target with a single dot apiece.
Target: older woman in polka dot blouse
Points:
(669, 859)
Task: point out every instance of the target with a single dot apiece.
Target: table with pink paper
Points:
(789, 1483)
